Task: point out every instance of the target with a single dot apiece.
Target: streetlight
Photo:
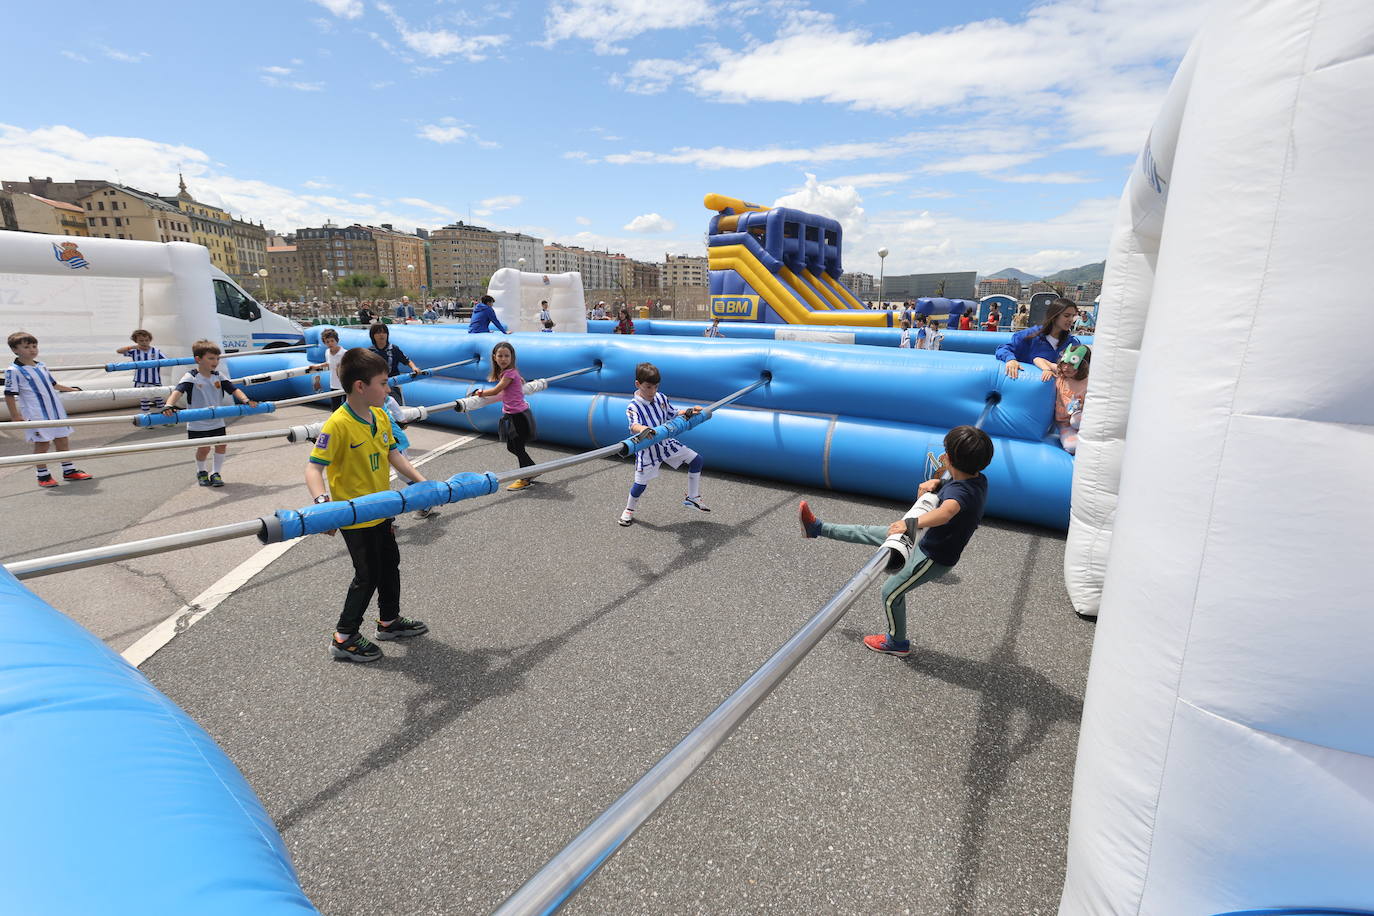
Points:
(324, 283)
(520, 263)
(882, 261)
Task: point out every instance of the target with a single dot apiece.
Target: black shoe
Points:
(401, 628)
(203, 478)
(216, 480)
(356, 648)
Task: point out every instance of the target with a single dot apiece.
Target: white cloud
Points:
(441, 42)
(344, 9)
(1104, 92)
(652, 76)
(362, 195)
(606, 22)
(649, 222)
(381, 84)
(314, 185)
(299, 85)
(583, 221)
(427, 205)
(492, 205)
(448, 130)
(731, 157)
(979, 162)
(1045, 178)
(125, 57)
(80, 58)
(152, 165)
(839, 203)
(277, 71)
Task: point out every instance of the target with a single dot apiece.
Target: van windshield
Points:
(234, 304)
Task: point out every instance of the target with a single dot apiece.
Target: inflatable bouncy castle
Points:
(779, 265)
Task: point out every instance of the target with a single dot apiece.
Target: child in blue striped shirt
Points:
(648, 408)
(31, 393)
(145, 376)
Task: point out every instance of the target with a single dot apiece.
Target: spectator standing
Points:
(966, 321)
(599, 310)
(1021, 319)
(626, 324)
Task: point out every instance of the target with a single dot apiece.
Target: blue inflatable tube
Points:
(117, 801)
(859, 419)
(983, 342)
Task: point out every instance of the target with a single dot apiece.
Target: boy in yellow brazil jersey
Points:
(356, 450)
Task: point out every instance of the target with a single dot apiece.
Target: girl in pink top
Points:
(517, 422)
(1070, 390)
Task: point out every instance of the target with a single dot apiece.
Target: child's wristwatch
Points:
(322, 498)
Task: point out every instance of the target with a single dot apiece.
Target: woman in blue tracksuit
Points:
(484, 316)
(1044, 345)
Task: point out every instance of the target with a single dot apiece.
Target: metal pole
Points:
(553, 884)
(43, 566)
(83, 453)
(229, 355)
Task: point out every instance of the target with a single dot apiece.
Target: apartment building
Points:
(462, 259)
(284, 271)
(329, 253)
(684, 270)
(116, 212)
(26, 212)
(250, 248)
(512, 246)
(400, 257)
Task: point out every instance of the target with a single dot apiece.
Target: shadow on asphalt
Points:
(1005, 686)
(485, 674)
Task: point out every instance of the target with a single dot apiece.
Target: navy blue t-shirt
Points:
(395, 358)
(944, 543)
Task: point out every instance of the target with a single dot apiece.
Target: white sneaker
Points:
(695, 502)
(426, 513)
(627, 517)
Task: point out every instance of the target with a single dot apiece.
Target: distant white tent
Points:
(518, 296)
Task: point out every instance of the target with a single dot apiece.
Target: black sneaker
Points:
(216, 480)
(203, 478)
(401, 628)
(356, 648)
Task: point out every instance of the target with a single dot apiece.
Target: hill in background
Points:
(1072, 276)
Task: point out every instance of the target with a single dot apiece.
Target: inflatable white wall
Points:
(1226, 758)
(518, 296)
(1125, 303)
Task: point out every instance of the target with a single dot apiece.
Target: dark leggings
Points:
(519, 429)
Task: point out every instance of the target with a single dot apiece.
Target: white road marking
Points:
(188, 616)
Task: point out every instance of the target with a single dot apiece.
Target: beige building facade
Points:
(26, 212)
(116, 212)
(400, 257)
(462, 260)
(684, 270)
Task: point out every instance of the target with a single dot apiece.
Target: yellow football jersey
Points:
(354, 450)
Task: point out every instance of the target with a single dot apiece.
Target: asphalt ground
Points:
(567, 654)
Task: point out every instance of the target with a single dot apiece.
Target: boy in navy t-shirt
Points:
(947, 527)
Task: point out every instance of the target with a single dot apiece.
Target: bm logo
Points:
(738, 308)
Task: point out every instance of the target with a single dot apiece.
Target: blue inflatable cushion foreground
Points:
(117, 801)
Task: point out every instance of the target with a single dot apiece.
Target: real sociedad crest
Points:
(69, 254)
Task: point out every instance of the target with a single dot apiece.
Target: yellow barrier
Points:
(801, 289)
(779, 298)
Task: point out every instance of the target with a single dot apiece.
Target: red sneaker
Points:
(75, 475)
(46, 482)
(810, 525)
(879, 642)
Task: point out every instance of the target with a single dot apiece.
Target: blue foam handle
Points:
(674, 427)
(385, 504)
(202, 413)
(149, 364)
(409, 377)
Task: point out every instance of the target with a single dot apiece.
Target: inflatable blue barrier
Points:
(117, 801)
(203, 413)
(857, 419)
(983, 342)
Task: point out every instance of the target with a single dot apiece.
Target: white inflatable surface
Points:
(1226, 757)
(518, 296)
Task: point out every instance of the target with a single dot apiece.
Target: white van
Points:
(82, 297)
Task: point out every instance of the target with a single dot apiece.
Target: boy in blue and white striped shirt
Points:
(31, 393)
(648, 408)
(145, 376)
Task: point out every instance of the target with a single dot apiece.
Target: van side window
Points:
(234, 304)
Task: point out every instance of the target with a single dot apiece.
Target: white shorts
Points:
(675, 460)
(47, 433)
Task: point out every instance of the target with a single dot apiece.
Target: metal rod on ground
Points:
(566, 872)
(553, 884)
(95, 556)
(133, 418)
(84, 453)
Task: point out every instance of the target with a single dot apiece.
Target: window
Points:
(234, 304)
(100, 205)
(105, 221)
(117, 222)
(88, 205)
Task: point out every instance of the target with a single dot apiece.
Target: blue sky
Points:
(960, 136)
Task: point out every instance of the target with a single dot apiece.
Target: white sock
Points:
(631, 503)
(219, 461)
(202, 466)
(693, 485)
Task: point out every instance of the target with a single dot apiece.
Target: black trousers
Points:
(376, 568)
(517, 429)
